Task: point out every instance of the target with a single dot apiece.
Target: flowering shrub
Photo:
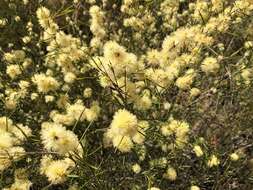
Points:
(126, 94)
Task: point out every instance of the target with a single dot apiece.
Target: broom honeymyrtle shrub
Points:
(126, 94)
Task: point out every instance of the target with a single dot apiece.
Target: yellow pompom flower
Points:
(55, 137)
(115, 53)
(13, 71)
(198, 151)
(194, 187)
(171, 174)
(194, 92)
(186, 81)
(210, 65)
(153, 188)
(234, 157)
(136, 168)
(213, 161)
(178, 128)
(56, 170)
(123, 143)
(124, 123)
(6, 140)
(45, 83)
